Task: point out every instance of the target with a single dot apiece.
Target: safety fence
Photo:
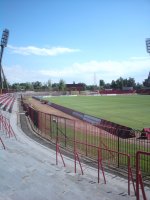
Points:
(5, 127)
(117, 129)
(50, 126)
(94, 145)
(76, 138)
(139, 181)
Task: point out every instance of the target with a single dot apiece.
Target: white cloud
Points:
(84, 72)
(139, 58)
(21, 74)
(107, 70)
(31, 50)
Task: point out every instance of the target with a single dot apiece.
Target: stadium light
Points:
(148, 45)
(3, 44)
(4, 39)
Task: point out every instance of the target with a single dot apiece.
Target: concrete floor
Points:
(28, 171)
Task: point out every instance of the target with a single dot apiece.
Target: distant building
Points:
(75, 87)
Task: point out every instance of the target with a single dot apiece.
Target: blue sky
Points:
(75, 39)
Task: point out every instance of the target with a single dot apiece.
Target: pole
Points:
(1, 79)
(5, 80)
(3, 44)
(118, 147)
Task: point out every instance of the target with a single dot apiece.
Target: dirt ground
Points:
(47, 109)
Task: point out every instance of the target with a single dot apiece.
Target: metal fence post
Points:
(118, 148)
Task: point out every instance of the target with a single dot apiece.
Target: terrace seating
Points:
(6, 102)
(144, 91)
(3, 98)
(11, 105)
(117, 92)
(3, 102)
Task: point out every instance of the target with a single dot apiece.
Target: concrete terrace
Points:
(28, 171)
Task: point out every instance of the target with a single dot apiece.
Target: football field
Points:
(132, 111)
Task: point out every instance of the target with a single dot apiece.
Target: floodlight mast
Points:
(148, 45)
(3, 44)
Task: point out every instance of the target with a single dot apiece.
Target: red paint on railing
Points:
(139, 180)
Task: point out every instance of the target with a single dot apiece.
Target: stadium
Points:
(74, 143)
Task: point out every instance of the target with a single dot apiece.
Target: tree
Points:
(139, 86)
(55, 86)
(62, 85)
(101, 84)
(107, 86)
(28, 86)
(146, 83)
(90, 87)
(113, 85)
(37, 85)
(125, 82)
(119, 83)
(15, 86)
(131, 82)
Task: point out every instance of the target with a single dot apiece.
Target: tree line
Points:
(61, 85)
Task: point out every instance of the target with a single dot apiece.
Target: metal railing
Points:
(102, 147)
(49, 126)
(139, 180)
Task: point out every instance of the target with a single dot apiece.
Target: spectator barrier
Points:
(99, 145)
(139, 180)
(6, 127)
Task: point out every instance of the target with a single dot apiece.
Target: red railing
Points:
(139, 181)
(99, 160)
(6, 127)
(86, 140)
(2, 143)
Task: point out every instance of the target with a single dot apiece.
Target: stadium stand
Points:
(106, 92)
(6, 102)
(11, 105)
(143, 91)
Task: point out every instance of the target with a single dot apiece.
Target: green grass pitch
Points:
(132, 111)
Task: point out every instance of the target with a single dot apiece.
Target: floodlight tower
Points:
(148, 51)
(148, 45)
(3, 44)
